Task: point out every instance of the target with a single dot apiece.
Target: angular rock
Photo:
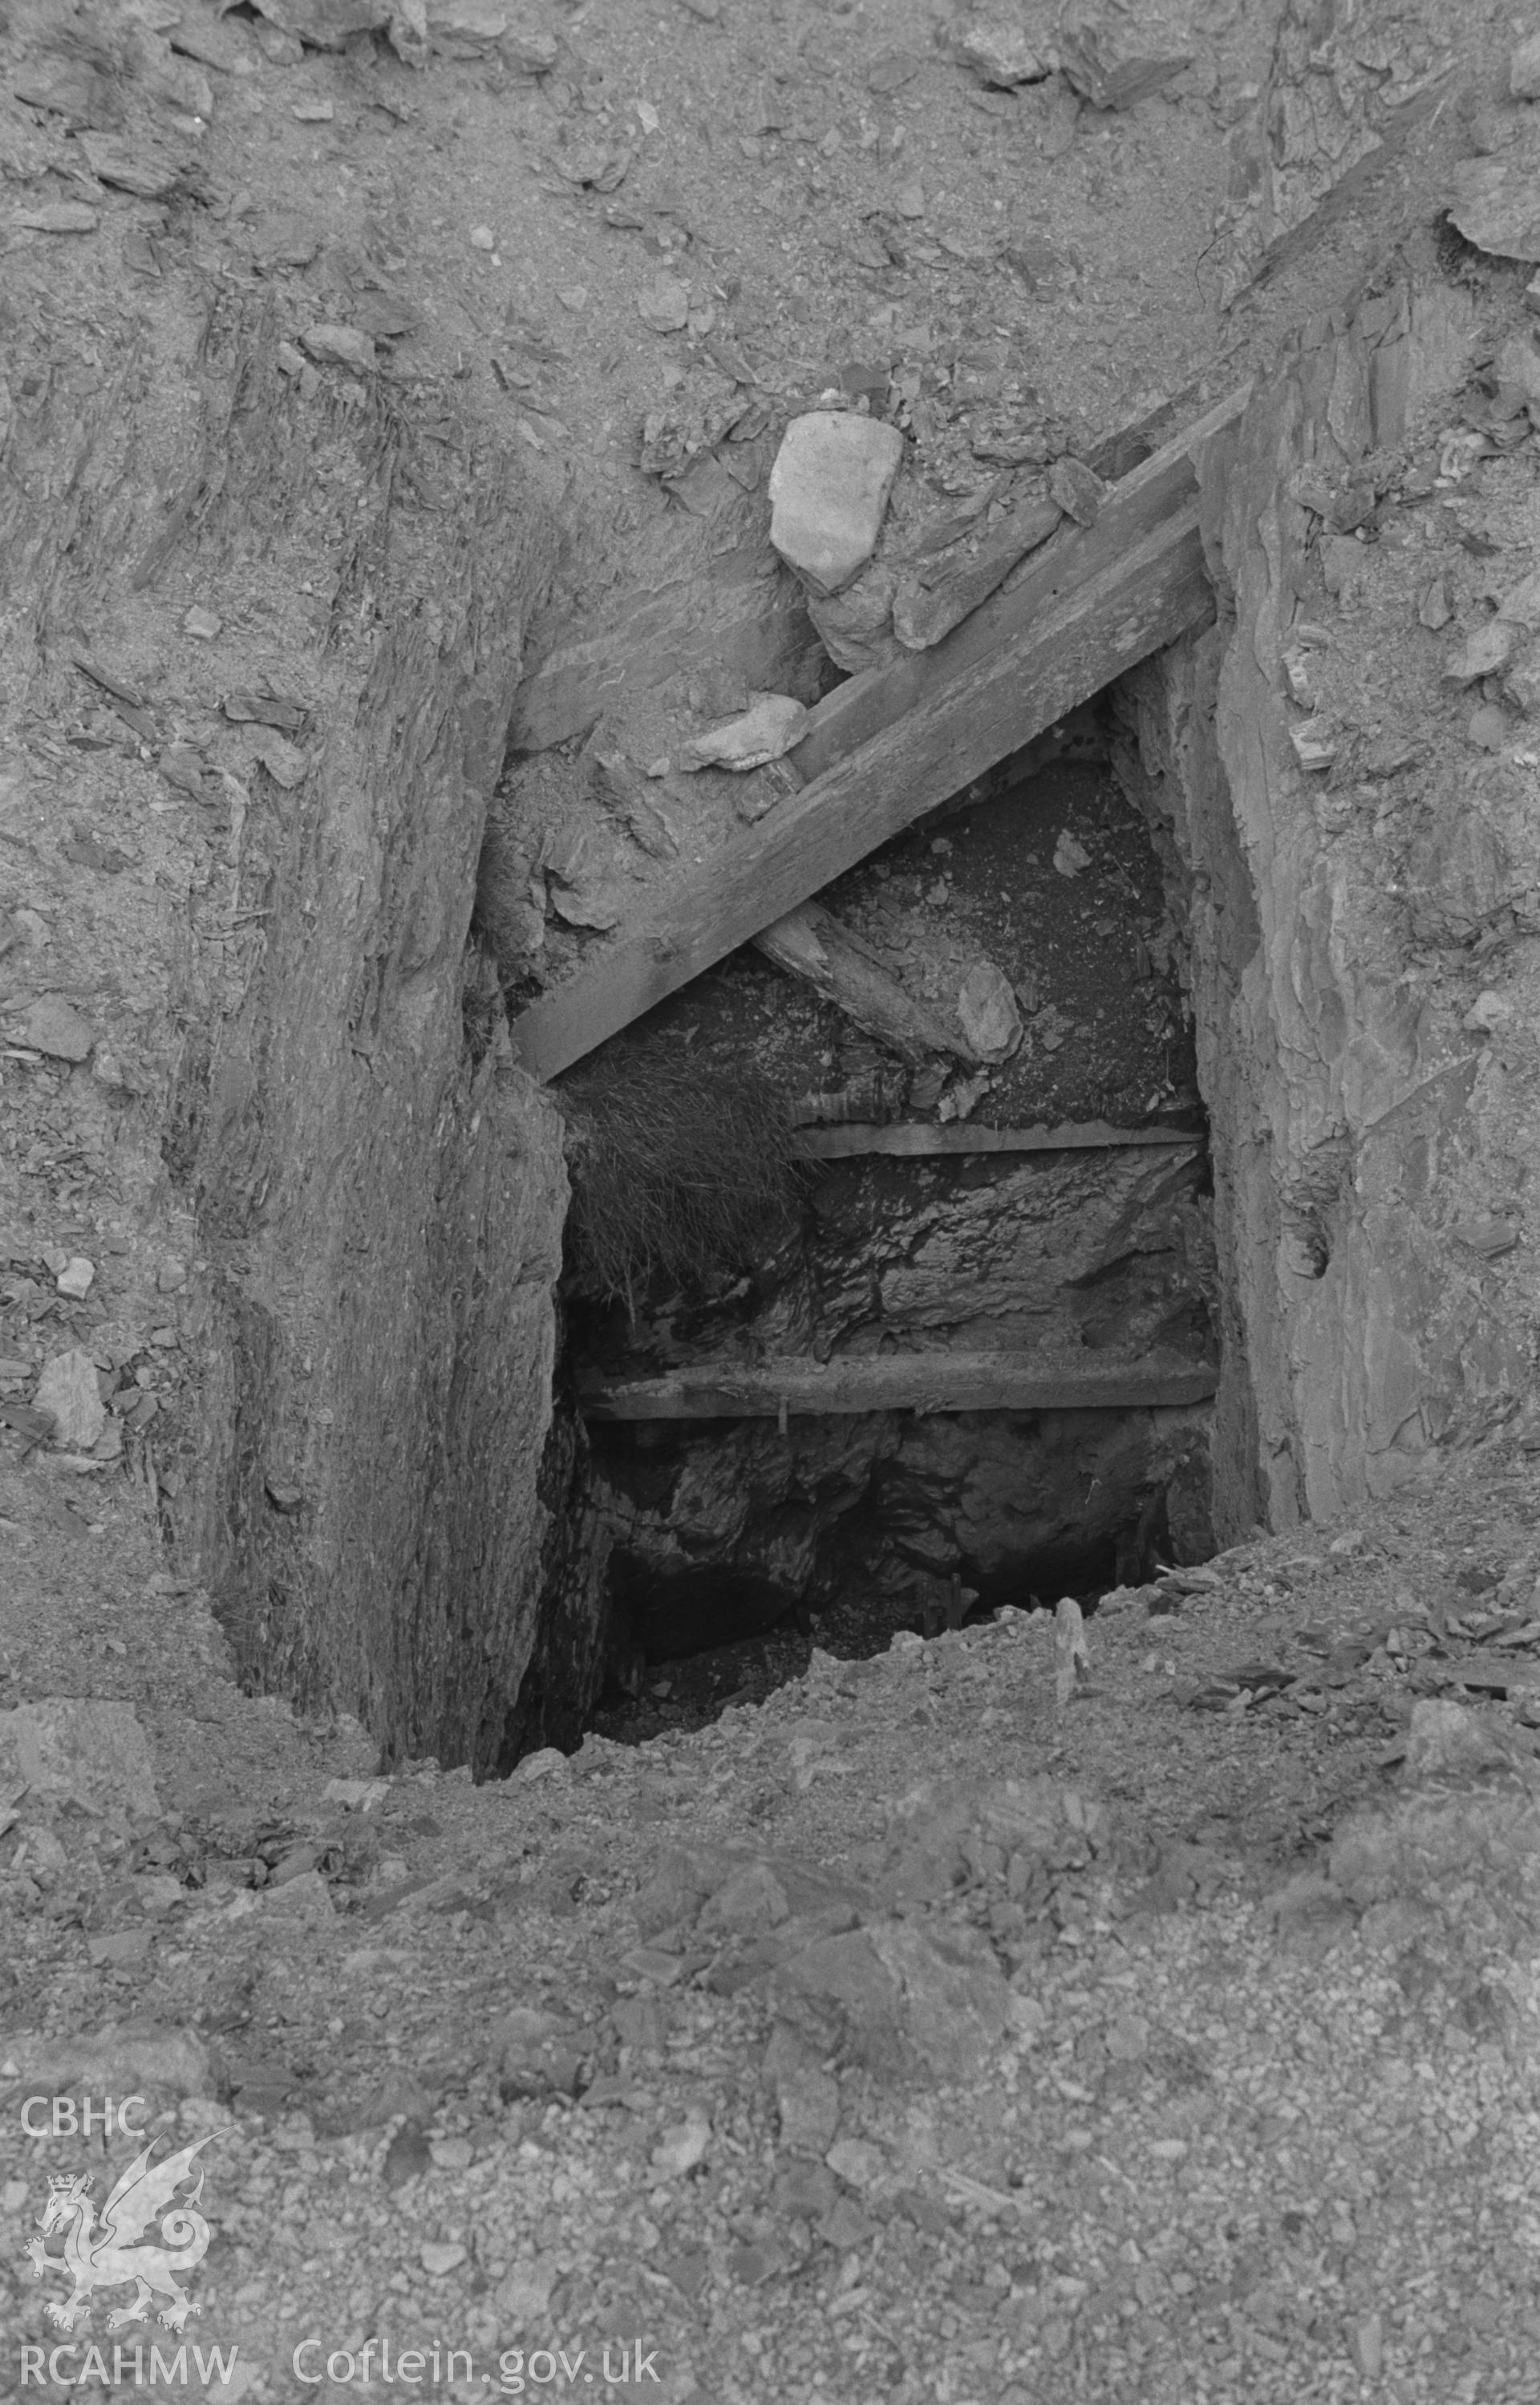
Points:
(829, 491)
(1517, 375)
(665, 305)
(77, 1278)
(996, 46)
(987, 1007)
(1524, 69)
(1109, 82)
(1489, 728)
(55, 1026)
(1495, 203)
(775, 722)
(70, 1746)
(59, 217)
(1446, 1740)
(69, 1389)
(342, 347)
(1077, 489)
(1434, 610)
(1483, 654)
(856, 626)
(1070, 857)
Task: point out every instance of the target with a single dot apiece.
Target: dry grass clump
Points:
(680, 1170)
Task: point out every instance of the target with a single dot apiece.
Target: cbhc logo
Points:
(65, 2121)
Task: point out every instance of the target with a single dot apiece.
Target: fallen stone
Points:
(285, 762)
(82, 1748)
(1077, 489)
(1070, 857)
(775, 722)
(1447, 1740)
(856, 626)
(204, 623)
(58, 217)
(55, 1027)
(585, 907)
(304, 1897)
(1524, 69)
(681, 2147)
(1521, 603)
(1487, 1237)
(665, 305)
(1483, 654)
(1517, 375)
(77, 1278)
(1434, 610)
(1112, 83)
(438, 2257)
(1495, 203)
(69, 1389)
(995, 46)
(340, 346)
(829, 491)
(987, 1007)
(1522, 683)
(1489, 727)
(1314, 741)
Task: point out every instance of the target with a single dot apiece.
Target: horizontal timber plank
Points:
(803, 1387)
(917, 1139)
(1148, 495)
(1135, 604)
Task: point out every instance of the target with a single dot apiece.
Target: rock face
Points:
(829, 491)
(383, 1210)
(1358, 1116)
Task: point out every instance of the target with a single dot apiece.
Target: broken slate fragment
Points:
(58, 217)
(55, 1027)
(77, 1278)
(987, 1007)
(69, 1389)
(771, 728)
(340, 346)
(829, 493)
(586, 906)
(1489, 728)
(994, 44)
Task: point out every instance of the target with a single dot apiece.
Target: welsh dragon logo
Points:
(106, 2257)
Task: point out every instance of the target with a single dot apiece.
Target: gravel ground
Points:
(1215, 2078)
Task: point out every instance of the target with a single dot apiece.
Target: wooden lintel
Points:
(1134, 603)
(918, 1139)
(800, 1387)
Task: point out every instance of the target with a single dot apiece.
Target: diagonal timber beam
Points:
(1117, 591)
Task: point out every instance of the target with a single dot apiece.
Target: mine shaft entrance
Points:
(865, 1342)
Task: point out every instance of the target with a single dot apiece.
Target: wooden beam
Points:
(1135, 603)
(799, 1387)
(1146, 498)
(918, 1139)
(811, 943)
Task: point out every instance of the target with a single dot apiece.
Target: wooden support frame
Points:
(921, 1140)
(1087, 608)
(799, 1387)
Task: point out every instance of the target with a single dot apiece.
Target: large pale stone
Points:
(829, 491)
(68, 1389)
(85, 1748)
(55, 1026)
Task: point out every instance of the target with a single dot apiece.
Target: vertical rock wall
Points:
(382, 1211)
(1358, 1114)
